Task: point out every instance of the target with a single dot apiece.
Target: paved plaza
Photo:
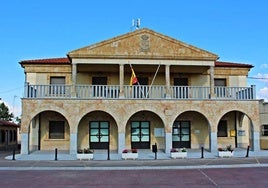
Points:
(163, 172)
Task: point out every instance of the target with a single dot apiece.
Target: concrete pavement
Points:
(144, 172)
(46, 161)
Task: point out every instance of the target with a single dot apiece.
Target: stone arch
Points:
(239, 129)
(129, 112)
(84, 132)
(88, 111)
(199, 128)
(27, 118)
(143, 128)
(47, 130)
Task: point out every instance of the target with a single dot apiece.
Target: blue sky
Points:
(237, 31)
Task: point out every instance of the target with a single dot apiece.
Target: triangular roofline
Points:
(73, 54)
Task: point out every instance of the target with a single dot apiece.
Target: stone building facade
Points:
(184, 97)
(8, 135)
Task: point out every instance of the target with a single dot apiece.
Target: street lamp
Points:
(15, 96)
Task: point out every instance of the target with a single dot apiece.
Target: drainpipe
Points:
(235, 128)
(39, 132)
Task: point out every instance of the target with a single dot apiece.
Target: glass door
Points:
(99, 86)
(140, 134)
(99, 135)
(181, 91)
(181, 134)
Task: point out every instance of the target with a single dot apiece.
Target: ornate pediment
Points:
(143, 44)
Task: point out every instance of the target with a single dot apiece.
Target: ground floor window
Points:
(99, 134)
(3, 136)
(181, 134)
(140, 134)
(15, 136)
(56, 129)
(264, 130)
(222, 129)
(10, 136)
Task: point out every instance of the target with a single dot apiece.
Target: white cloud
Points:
(263, 93)
(262, 77)
(264, 66)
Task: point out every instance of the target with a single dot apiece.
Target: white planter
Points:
(130, 156)
(225, 154)
(87, 156)
(175, 155)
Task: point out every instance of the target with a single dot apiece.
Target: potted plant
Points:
(130, 154)
(225, 152)
(178, 153)
(84, 154)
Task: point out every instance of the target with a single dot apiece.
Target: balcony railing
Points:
(138, 92)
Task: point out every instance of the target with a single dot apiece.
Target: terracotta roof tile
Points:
(229, 64)
(8, 123)
(63, 60)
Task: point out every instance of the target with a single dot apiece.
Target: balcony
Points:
(138, 92)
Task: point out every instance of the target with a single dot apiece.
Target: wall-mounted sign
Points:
(159, 132)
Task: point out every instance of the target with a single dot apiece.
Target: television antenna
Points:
(136, 23)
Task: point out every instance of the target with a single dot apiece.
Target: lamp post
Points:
(15, 96)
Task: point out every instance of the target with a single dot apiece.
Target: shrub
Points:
(125, 151)
(174, 150)
(87, 150)
(134, 150)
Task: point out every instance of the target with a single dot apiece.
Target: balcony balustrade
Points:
(138, 92)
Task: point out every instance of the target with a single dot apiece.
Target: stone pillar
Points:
(74, 75)
(213, 141)
(24, 143)
(121, 80)
(167, 75)
(121, 142)
(168, 142)
(212, 93)
(256, 141)
(73, 143)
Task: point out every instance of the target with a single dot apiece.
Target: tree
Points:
(4, 113)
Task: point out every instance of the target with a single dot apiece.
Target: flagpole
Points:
(153, 80)
(137, 80)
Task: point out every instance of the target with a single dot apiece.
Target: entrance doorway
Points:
(99, 134)
(181, 134)
(182, 90)
(99, 86)
(140, 134)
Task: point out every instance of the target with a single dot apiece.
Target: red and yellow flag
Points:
(133, 79)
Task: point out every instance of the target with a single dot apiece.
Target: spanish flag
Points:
(133, 79)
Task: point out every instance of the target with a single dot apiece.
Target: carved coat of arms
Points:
(145, 43)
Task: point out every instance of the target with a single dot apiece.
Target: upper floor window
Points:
(99, 80)
(220, 89)
(264, 130)
(181, 90)
(99, 86)
(220, 82)
(57, 80)
(57, 85)
(180, 81)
